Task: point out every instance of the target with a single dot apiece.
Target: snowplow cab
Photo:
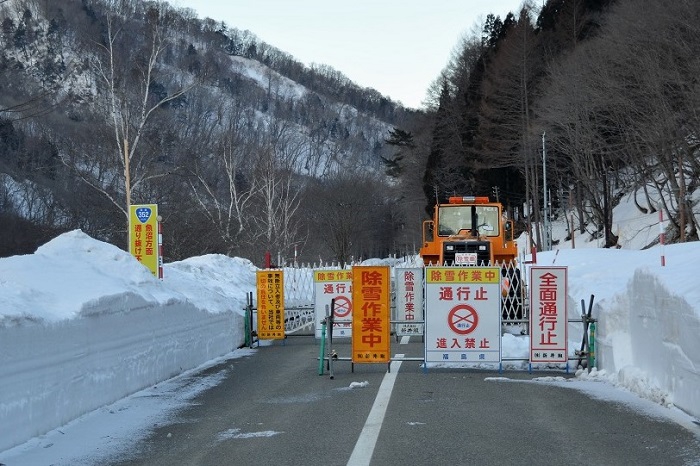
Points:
(468, 230)
(472, 231)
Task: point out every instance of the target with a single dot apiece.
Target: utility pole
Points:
(606, 207)
(681, 196)
(547, 244)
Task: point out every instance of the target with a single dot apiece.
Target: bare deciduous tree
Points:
(129, 77)
(280, 156)
(222, 180)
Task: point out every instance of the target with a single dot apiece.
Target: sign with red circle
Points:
(463, 319)
(333, 285)
(462, 315)
(343, 306)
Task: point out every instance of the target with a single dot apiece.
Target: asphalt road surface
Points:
(273, 408)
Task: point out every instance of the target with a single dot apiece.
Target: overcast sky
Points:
(397, 47)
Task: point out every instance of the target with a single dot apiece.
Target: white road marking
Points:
(405, 339)
(362, 453)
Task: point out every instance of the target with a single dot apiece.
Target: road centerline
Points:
(362, 453)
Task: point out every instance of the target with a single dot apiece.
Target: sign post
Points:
(464, 322)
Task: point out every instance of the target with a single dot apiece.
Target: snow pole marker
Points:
(662, 237)
(591, 353)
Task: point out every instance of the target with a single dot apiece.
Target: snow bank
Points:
(51, 374)
(660, 339)
(82, 324)
(648, 318)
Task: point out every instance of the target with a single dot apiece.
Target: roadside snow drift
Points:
(648, 332)
(82, 324)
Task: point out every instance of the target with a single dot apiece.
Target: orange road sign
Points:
(371, 322)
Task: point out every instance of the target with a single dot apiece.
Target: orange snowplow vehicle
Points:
(471, 231)
(468, 230)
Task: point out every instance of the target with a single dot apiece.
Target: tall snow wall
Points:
(52, 373)
(650, 337)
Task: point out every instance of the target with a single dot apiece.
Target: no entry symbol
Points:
(463, 319)
(343, 306)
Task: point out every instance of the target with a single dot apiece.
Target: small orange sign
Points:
(371, 324)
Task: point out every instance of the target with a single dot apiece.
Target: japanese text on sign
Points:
(143, 235)
(463, 317)
(548, 340)
(270, 289)
(370, 321)
(463, 275)
(409, 301)
(333, 286)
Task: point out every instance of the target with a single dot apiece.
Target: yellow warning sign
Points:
(143, 235)
(270, 288)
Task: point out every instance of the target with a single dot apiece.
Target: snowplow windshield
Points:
(453, 218)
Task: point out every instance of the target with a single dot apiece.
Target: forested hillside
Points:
(245, 150)
(105, 103)
(605, 92)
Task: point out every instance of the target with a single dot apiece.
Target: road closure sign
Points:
(409, 301)
(371, 322)
(548, 314)
(333, 285)
(270, 288)
(462, 315)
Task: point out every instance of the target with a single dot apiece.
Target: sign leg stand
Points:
(321, 355)
(591, 352)
(329, 329)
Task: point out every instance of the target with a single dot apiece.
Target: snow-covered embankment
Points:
(648, 318)
(82, 325)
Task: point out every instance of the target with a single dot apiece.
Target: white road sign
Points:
(462, 315)
(548, 314)
(409, 301)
